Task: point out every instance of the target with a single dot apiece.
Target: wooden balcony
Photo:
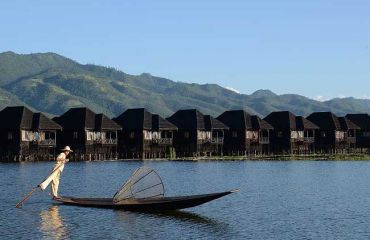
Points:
(217, 140)
(303, 139)
(264, 140)
(163, 141)
(309, 139)
(341, 140)
(107, 141)
(47, 142)
(351, 139)
(254, 140)
(298, 139)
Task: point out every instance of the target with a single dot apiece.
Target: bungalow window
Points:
(132, 135)
(49, 135)
(89, 136)
(296, 134)
(339, 134)
(186, 135)
(75, 135)
(214, 134)
(265, 133)
(36, 136)
(156, 135)
(351, 133)
(148, 135)
(98, 136)
(220, 134)
(252, 135)
(28, 136)
(308, 134)
(323, 134)
(111, 135)
(280, 134)
(293, 134)
(10, 136)
(366, 134)
(202, 135)
(166, 134)
(234, 134)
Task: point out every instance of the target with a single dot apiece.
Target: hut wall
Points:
(131, 144)
(76, 139)
(326, 142)
(235, 142)
(9, 148)
(363, 140)
(185, 143)
(280, 142)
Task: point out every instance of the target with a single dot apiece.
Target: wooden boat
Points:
(147, 204)
(143, 191)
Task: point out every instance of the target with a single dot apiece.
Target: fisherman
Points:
(59, 165)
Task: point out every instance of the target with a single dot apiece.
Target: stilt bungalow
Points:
(92, 136)
(26, 136)
(145, 135)
(335, 135)
(362, 134)
(292, 134)
(198, 134)
(247, 134)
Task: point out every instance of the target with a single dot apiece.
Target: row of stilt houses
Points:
(139, 134)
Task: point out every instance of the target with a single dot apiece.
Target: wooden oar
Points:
(26, 197)
(38, 186)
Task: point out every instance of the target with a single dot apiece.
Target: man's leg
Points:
(55, 185)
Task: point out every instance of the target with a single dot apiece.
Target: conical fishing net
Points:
(143, 183)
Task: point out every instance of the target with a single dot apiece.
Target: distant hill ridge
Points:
(51, 83)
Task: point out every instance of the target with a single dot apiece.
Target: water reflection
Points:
(52, 225)
(171, 217)
(186, 216)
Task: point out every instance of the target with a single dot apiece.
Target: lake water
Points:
(278, 200)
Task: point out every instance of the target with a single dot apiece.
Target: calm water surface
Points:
(278, 200)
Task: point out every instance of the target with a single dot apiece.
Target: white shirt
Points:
(61, 159)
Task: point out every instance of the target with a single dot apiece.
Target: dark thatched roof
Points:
(212, 123)
(159, 123)
(193, 119)
(135, 119)
(362, 120)
(40, 121)
(240, 119)
(303, 124)
(347, 124)
(103, 122)
(141, 119)
(84, 118)
(21, 117)
(285, 120)
(259, 123)
(325, 120)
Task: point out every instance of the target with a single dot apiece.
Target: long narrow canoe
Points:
(152, 204)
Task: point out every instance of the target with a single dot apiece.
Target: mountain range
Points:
(51, 83)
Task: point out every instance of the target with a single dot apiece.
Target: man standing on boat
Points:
(61, 160)
(55, 174)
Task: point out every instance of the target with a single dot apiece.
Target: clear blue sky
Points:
(313, 47)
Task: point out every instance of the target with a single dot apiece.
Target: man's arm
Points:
(62, 158)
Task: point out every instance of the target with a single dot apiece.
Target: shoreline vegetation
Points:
(312, 157)
(308, 157)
